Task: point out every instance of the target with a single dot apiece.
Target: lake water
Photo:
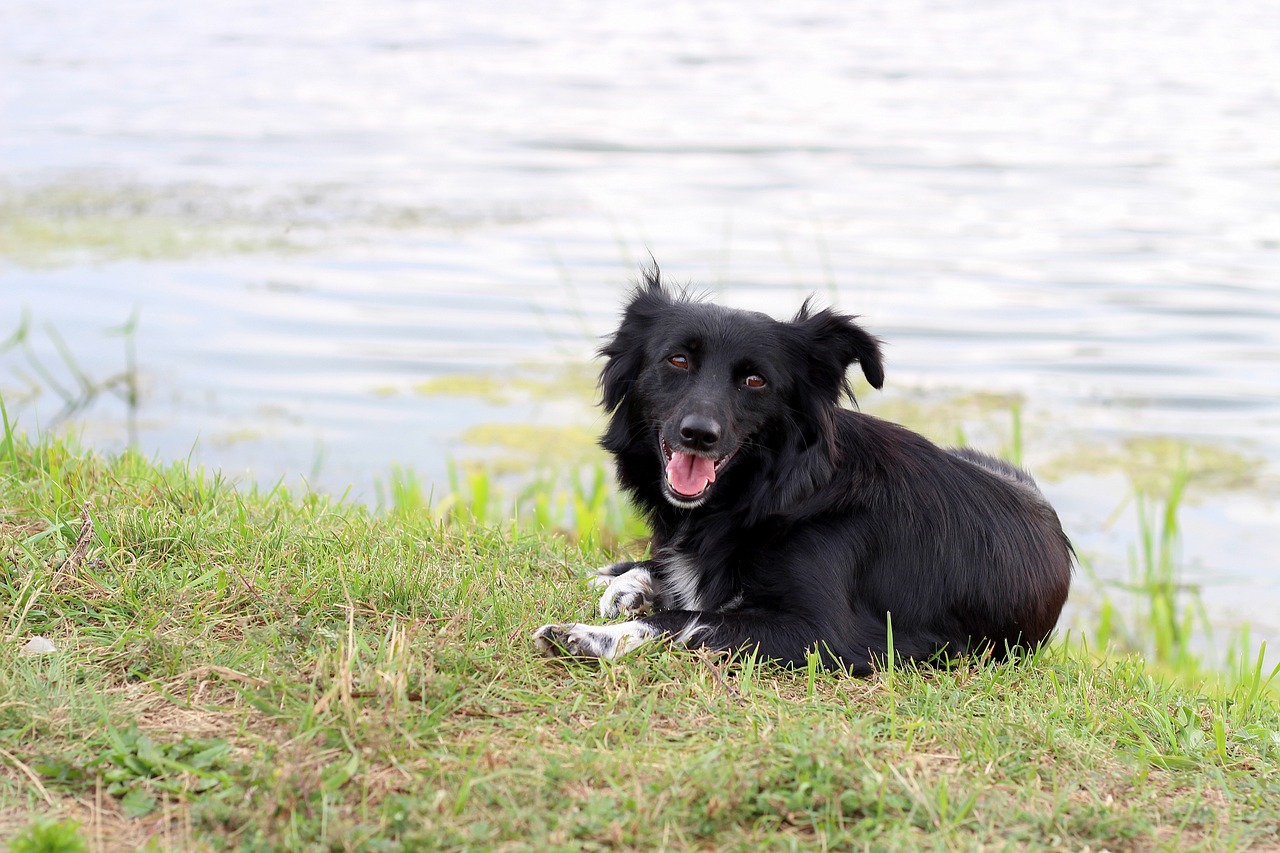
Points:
(342, 227)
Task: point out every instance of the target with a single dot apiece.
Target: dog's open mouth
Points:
(689, 476)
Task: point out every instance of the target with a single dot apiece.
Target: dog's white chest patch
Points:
(681, 586)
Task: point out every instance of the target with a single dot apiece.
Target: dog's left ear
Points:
(832, 342)
(626, 350)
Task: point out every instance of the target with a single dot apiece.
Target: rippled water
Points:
(314, 209)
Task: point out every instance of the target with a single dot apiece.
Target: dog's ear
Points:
(832, 342)
(625, 351)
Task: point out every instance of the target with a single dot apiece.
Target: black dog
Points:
(784, 523)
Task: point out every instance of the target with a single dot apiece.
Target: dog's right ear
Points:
(626, 350)
(833, 342)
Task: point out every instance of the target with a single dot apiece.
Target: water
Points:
(314, 209)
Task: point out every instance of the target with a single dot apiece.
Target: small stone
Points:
(38, 646)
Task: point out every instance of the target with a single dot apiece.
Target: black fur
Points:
(823, 523)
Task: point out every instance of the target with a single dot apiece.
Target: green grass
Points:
(249, 668)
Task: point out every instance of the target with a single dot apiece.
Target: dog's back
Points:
(998, 466)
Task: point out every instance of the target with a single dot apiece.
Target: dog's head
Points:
(701, 387)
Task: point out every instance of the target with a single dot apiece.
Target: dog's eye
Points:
(755, 380)
(680, 361)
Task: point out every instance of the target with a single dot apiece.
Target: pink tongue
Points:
(689, 474)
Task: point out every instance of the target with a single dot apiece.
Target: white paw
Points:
(592, 641)
(629, 594)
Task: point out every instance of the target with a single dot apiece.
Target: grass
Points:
(1155, 614)
(1165, 613)
(250, 668)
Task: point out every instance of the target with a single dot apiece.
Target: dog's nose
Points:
(699, 432)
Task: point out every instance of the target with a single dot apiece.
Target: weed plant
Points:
(76, 388)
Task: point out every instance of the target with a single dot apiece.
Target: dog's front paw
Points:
(591, 641)
(553, 640)
(629, 594)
